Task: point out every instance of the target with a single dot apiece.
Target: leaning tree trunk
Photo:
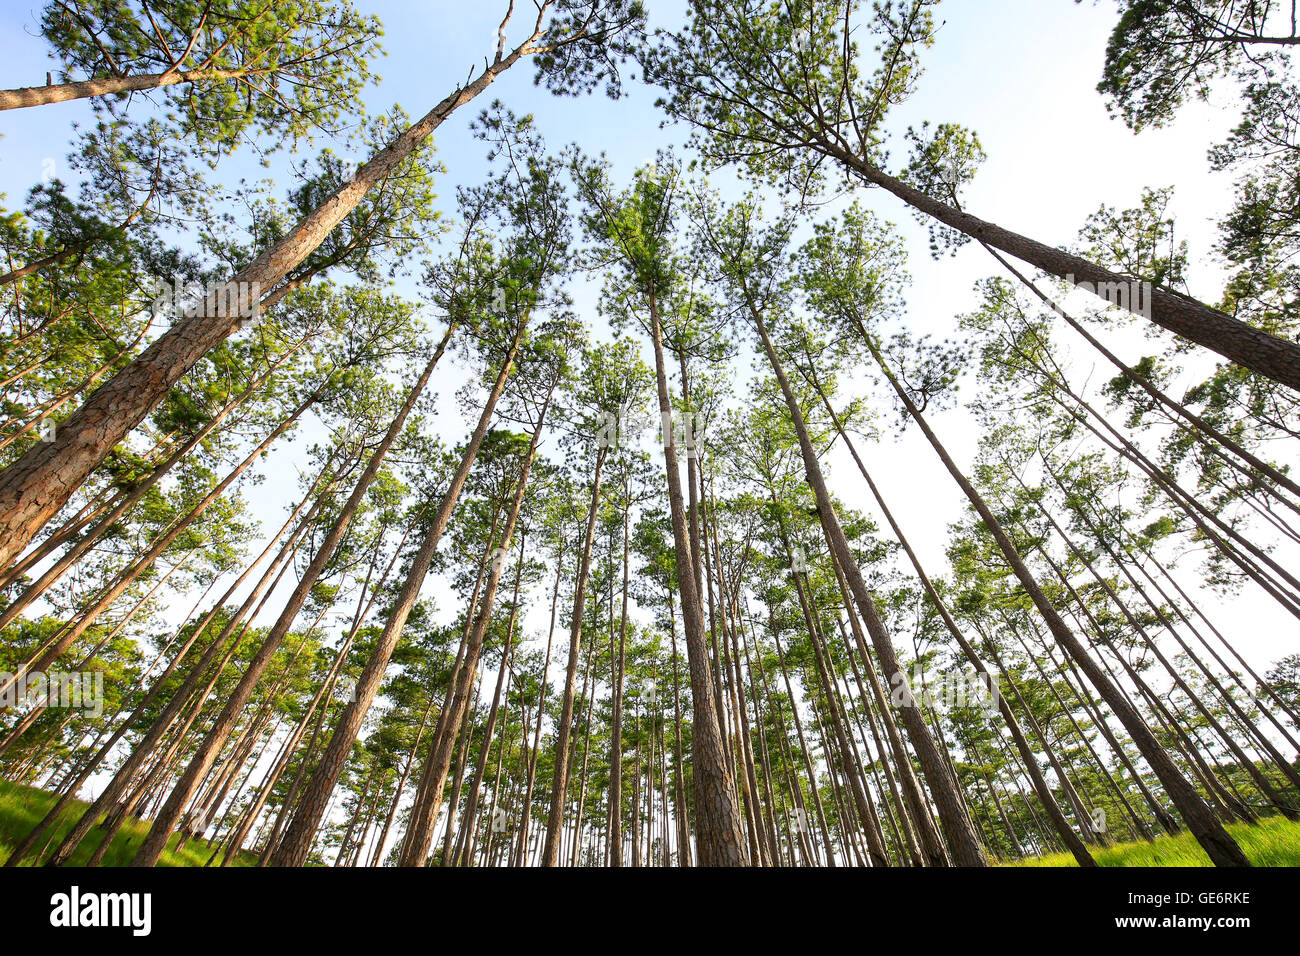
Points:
(1209, 832)
(564, 729)
(36, 486)
(953, 816)
(1252, 348)
(297, 840)
(167, 817)
(1041, 788)
(364, 604)
(1203, 429)
(122, 505)
(428, 798)
(176, 705)
(67, 636)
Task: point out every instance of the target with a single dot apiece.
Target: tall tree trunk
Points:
(1249, 347)
(718, 828)
(297, 839)
(36, 486)
(564, 729)
(489, 728)
(424, 813)
(957, 826)
(1043, 791)
(522, 849)
(153, 844)
(1221, 848)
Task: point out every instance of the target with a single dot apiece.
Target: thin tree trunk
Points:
(564, 729)
(433, 778)
(297, 840)
(153, 844)
(957, 826)
(1221, 848)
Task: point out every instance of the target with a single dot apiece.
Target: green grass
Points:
(1274, 841)
(22, 807)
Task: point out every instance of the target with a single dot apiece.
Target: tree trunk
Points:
(718, 828)
(297, 839)
(1249, 347)
(36, 486)
(564, 729)
(153, 844)
(1221, 848)
(957, 826)
(424, 813)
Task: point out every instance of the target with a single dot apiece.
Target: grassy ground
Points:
(21, 808)
(1273, 842)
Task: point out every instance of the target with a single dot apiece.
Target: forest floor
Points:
(1274, 841)
(22, 807)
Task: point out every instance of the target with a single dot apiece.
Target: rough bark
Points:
(36, 486)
